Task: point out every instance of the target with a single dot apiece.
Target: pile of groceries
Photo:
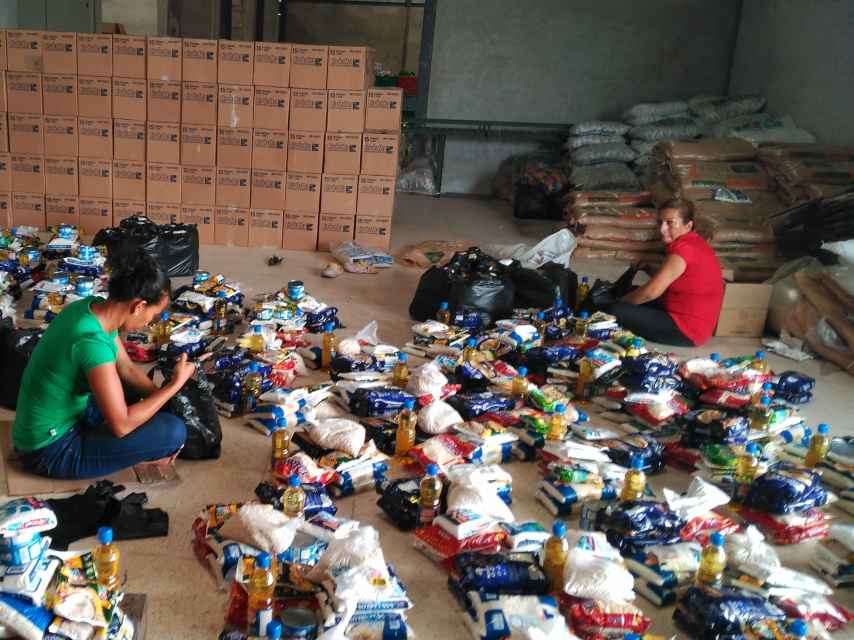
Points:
(57, 595)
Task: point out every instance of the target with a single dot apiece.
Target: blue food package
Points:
(707, 612)
(471, 405)
(351, 364)
(631, 526)
(399, 501)
(794, 383)
(786, 489)
(509, 572)
(373, 402)
(645, 447)
(713, 426)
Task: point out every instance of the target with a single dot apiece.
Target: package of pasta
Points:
(725, 399)
(790, 528)
(471, 405)
(443, 450)
(814, 607)
(507, 572)
(621, 451)
(721, 613)
(602, 619)
(786, 489)
(700, 528)
(399, 501)
(632, 526)
(303, 466)
(441, 546)
(714, 426)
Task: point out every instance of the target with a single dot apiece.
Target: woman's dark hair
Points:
(684, 207)
(138, 275)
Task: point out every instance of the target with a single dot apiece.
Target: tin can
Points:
(84, 286)
(66, 231)
(59, 277)
(201, 276)
(29, 256)
(296, 289)
(298, 624)
(87, 253)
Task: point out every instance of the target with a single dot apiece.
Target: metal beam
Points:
(366, 3)
(425, 58)
(225, 19)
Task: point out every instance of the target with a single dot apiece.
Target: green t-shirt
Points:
(54, 391)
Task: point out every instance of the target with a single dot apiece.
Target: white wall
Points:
(800, 55)
(138, 16)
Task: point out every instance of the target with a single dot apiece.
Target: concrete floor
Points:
(183, 600)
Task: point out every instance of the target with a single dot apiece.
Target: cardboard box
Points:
(129, 140)
(300, 231)
(59, 52)
(305, 151)
(5, 209)
(198, 185)
(346, 111)
(95, 138)
(383, 109)
(3, 91)
(60, 135)
(163, 56)
(5, 173)
(129, 56)
(335, 228)
(24, 50)
(350, 68)
(129, 178)
(235, 105)
(127, 209)
(271, 107)
(28, 210)
(164, 182)
(3, 57)
(231, 226)
(24, 92)
(59, 95)
(202, 217)
(302, 192)
(265, 228)
(373, 231)
(130, 98)
(380, 153)
(198, 103)
(342, 153)
(269, 149)
(198, 145)
(163, 212)
(61, 210)
(95, 214)
(96, 178)
(4, 136)
(235, 62)
(309, 64)
(308, 110)
(163, 142)
(268, 189)
(338, 193)
(272, 66)
(233, 187)
(164, 100)
(60, 175)
(27, 173)
(199, 60)
(234, 147)
(376, 196)
(744, 310)
(95, 54)
(94, 97)
(26, 133)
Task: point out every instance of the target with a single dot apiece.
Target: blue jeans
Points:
(90, 450)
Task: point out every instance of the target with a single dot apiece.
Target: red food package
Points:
(725, 399)
(831, 615)
(681, 457)
(790, 528)
(443, 450)
(441, 546)
(699, 529)
(306, 468)
(591, 617)
(616, 392)
(238, 605)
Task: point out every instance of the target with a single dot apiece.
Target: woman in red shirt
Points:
(681, 303)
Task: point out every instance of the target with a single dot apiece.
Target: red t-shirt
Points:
(694, 299)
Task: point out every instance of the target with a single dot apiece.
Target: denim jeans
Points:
(90, 450)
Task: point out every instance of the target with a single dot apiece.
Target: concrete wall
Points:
(8, 14)
(800, 55)
(140, 17)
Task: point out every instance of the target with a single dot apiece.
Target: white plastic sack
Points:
(586, 576)
(593, 542)
(749, 547)
(358, 552)
(474, 493)
(557, 247)
(438, 417)
(352, 346)
(427, 380)
(339, 434)
(700, 498)
(261, 526)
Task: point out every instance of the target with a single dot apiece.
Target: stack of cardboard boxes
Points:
(257, 143)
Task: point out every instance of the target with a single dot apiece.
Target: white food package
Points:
(749, 547)
(475, 493)
(263, 527)
(586, 576)
(339, 434)
(427, 380)
(700, 498)
(438, 417)
(352, 346)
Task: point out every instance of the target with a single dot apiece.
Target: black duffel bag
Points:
(16, 348)
(537, 288)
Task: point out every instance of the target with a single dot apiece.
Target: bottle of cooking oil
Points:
(430, 494)
(581, 324)
(634, 349)
(443, 315)
(262, 583)
(406, 422)
(798, 630)
(220, 320)
(470, 350)
(634, 483)
(281, 441)
(746, 467)
(712, 561)
(819, 446)
(767, 389)
(555, 552)
(107, 560)
(760, 416)
(251, 390)
(584, 378)
(557, 424)
(583, 291)
(759, 363)
(330, 346)
(164, 329)
(293, 500)
(400, 375)
(519, 386)
(255, 341)
(541, 324)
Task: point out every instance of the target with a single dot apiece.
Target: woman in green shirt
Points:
(72, 420)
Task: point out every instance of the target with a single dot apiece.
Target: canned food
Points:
(298, 624)
(263, 313)
(59, 277)
(87, 253)
(66, 231)
(296, 289)
(84, 286)
(30, 256)
(200, 276)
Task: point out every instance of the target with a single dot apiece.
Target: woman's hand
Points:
(182, 371)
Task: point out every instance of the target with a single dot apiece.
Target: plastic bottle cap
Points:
(714, 357)
(443, 305)
(583, 278)
(105, 535)
(717, 539)
(767, 386)
(522, 371)
(798, 628)
(330, 327)
(541, 315)
(262, 561)
(760, 355)
(410, 403)
(765, 401)
(805, 441)
(401, 357)
(636, 463)
(293, 480)
(559, 408)
(281, 423)
(752, 449)
(471, 342)
(164, 315)
(274, 630)
(632, 636)
(432, 470)
(637, 343)
(257, 328)
(823, 429)
(584, 315)
(559, 529)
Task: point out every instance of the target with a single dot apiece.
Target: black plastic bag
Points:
(175, 246)
(532, 202)
(179, 249)
(16, 348)
(492, 295)
(604, 293)
(536, 288)
(194, 404)
(433, 288)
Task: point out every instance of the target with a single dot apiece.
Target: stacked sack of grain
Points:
(600, 156)
(807, 171)
(615, 225)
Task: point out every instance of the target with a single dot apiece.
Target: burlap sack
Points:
(431, 253)
(717, 230)
(708, 149)
(771, 152)
(623, 217)
(622, 245)
(609, 198)
(763, 204)
(610, 254)
(798, 172)
(607, 232)
(701, 176)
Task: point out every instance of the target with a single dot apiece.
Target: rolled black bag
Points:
(179, 249)
(536, 288)
(175, 246)
(16, 348)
